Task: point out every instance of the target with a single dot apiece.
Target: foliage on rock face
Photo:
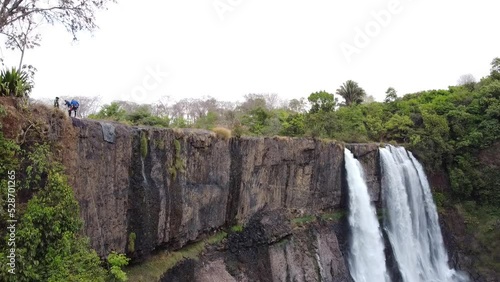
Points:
(48, 243)
(144, 144)
(116, 262)
(178, 164)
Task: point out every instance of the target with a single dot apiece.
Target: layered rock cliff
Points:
(183, 183)
(164, 188)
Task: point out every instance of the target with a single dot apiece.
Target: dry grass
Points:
(222, 132)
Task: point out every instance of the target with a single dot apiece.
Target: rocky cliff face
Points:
(168, 187)
(270, 249)
(147, 189)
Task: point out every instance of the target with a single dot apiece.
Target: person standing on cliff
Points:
(56, 103)
(72, 106)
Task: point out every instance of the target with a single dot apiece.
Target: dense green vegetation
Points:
(48, 245)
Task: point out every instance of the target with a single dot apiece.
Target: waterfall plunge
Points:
(411, 220)
(366, 257)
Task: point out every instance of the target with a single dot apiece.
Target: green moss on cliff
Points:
(153, 268)
(178, 164)
(131, 242)
(144, 144)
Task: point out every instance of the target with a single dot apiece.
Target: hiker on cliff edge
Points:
(56, 102)
(72, 106)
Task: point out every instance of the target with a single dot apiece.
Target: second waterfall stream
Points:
(366, 256)
(410, 222)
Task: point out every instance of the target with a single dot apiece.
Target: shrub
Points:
(222, 132)
(15, 83)
(116, 262)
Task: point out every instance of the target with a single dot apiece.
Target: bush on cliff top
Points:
(222, 132)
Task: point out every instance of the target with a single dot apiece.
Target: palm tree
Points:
(351, 92)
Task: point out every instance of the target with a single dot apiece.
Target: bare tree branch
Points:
(20, 19)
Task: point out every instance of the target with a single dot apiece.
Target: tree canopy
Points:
(351, 92)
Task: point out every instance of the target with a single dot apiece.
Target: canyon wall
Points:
(169, 186)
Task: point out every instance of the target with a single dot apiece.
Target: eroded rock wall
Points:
(188, 182)
(270, 249)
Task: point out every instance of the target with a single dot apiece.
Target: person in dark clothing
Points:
(68, 104)
(56, 102)
(72, 106)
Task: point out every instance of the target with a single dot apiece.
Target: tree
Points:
(351, 92)
(297, 105)
(252, 102)
(390, 95)
(369, 99)
(24, 39)
(112, 111)
(468, 81)
(20, 19)
(321, 102)
(495, 68)
(161, 108)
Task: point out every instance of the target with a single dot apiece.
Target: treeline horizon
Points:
(192, 112)
(446, 128)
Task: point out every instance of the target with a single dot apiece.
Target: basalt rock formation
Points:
(170, 186)
(144, 189)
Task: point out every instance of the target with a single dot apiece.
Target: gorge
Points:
(171, 188)
(188, 205)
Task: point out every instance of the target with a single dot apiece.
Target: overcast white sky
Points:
(288, 47)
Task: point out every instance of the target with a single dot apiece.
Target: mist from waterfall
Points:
(366, 254)
(411, 219)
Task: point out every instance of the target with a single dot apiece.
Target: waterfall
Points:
(144, 179)
(366, 257)
(411, 219)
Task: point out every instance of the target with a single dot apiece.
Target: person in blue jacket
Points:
(72, 106)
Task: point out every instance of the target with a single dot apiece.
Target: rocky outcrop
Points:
(166, 187)
(269, 249)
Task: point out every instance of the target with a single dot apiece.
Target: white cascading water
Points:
(411, 219)
(366, 258)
